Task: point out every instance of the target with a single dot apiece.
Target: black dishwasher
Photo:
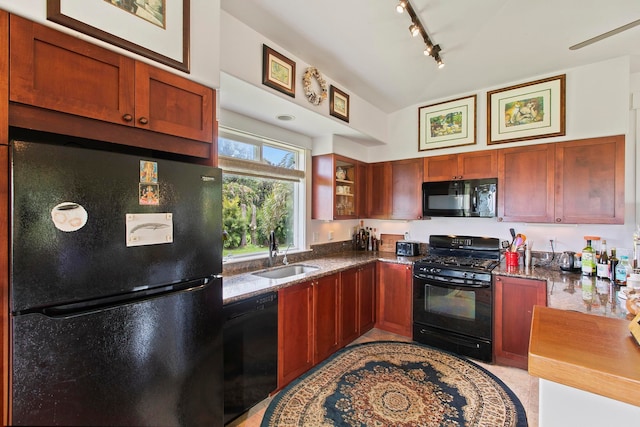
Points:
(250, 352)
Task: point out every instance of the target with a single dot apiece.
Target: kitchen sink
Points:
(286, 271)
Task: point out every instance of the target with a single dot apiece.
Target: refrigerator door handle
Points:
(84, 307)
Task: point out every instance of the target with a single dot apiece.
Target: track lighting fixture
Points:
(416, 28)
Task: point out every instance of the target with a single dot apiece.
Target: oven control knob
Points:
(434, 270)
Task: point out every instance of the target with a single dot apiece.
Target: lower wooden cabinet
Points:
(394, 298)
(295, 332)
(325, 317)
(307, 326)
(514, 299)
(357, 302)
(366, 298)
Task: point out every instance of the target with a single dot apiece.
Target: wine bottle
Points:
(588, 259)
(602, 267)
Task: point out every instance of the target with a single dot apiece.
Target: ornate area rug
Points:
(395, 384)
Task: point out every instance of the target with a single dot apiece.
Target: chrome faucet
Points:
(285, 261)
(273, 248)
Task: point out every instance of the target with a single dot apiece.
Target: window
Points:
(262, 191)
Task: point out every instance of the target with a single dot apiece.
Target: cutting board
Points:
(388, 242)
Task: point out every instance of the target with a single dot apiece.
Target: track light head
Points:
(414, 30)
(402, 5)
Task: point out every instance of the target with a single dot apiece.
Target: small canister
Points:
(633, 281)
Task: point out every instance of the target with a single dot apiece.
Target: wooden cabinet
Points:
(325, 317)
(295, 332)
(357, 302)
(394, 298)
(526, 183)
(59, 73)
(406, 189)
(348, 320)
(473, 165)
(338, 187)
(4, 216)
(395, 190)
(379, 190)
(514, 301)
(366, 298)
(307, 326)
(576, 182)
(590, 181)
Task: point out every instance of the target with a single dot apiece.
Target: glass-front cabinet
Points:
(337, 187)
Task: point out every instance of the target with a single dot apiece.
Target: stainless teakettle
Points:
(569, 261)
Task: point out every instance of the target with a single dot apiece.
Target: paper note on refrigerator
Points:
(149, 229)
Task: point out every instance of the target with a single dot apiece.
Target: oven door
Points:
(461, 308)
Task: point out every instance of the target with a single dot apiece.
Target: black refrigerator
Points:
(116, 294)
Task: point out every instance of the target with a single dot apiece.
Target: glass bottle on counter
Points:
(602, 266)
(588, 259)
(623, 269)
(613, 263)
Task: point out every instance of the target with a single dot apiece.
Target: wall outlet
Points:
(315, 237)
(330, 235)
(553, 240)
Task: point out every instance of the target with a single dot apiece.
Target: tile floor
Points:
(519, 381)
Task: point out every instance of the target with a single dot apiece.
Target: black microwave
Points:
(469, 198)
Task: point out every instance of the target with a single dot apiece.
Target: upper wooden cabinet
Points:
(526, 183)
(589, 181)
(576, 182)
(54, 71)
(379, 190)
(338, 187)
(473, 165)
(406, 189)
(395, 190)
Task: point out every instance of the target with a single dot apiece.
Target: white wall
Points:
(593, 108)
(205, 36)
(241, 57)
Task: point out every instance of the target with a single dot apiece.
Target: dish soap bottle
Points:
(588, 258)
(623, 270)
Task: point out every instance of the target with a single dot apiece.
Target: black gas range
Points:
(452, 294)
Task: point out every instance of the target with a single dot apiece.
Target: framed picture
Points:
(338, 103)
(447, 124)
(278, 71)
(526, 111)
(157, 29)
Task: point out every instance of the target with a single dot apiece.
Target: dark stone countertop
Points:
(572, 291)
(565, 291)
(244, 285)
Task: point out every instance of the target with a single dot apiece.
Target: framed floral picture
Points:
(338, 103)
(278, 71)
(526, 111)
(157, 29)
(447, 124)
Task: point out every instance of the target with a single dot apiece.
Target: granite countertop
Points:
(574, 292)
(244, 285)
(565, 291)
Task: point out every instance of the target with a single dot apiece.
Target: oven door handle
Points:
(430, 282)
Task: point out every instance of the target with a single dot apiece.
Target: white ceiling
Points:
(365, 46)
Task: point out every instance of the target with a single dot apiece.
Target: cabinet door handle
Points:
(143, 120)
(127, 117)
(558, 219)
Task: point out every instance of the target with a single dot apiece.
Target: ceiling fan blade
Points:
(605, 35)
